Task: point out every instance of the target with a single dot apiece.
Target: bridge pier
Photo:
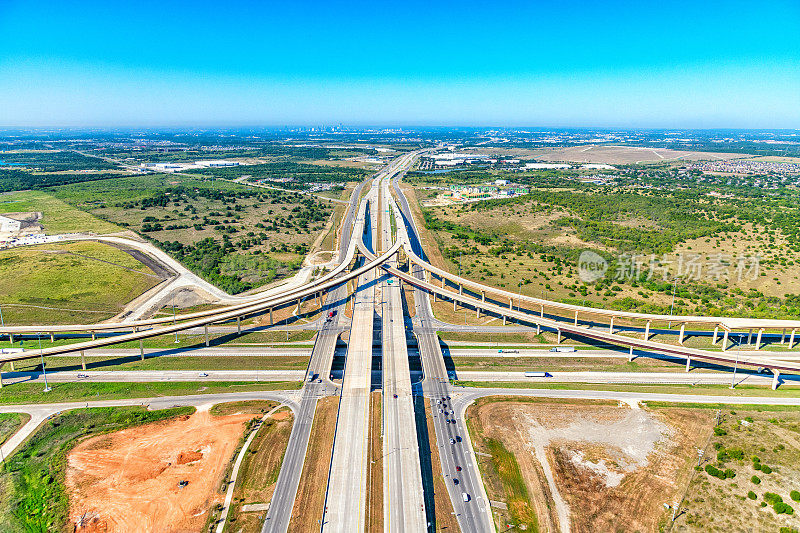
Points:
(52, 337)
(630, 354)
(646, 332)
(716, 332)
(750, 337)
(541, 311)
(688, 363)
(483, 296)
(783, 336)
(434, 296)
(558, 340)
(238, 325)
(93, 335)
(205, 327)
(11, 338)
(611, 326)
(791, 339)
(511, 303)
(83, 361)
(454, 304)
(477, 312)
(270, 317)
(141, 349)
(682, 334)
(758, 338)
(504, 320)
(775, 378)
(576, 318)
(538, 329)
(725, 340)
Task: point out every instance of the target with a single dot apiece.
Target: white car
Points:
(203, 374)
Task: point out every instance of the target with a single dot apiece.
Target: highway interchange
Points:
(377, 298)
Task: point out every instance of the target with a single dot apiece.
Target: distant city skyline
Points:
(611, 64)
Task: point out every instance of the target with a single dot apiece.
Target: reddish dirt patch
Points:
(189, 457)
(281, 415)
(128, 480)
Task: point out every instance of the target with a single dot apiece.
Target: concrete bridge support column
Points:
(477, 312)
(576, 318)
(83, 361)
(630, 354)
(758, 338)
(454, 304)
(558, 341)
(682, 334)
(270, 317)
(239, 325)
(504, 320)
(725, 340)
(93, 335)
(783, 336)
(206, 332)
(12, 366)
(750, 337)
(611, 325)
(483, 296)
(716, 333)
(460, 289)
(646, 332)
(541, 311)
(791, 339)
(141, 348)
(688, 363)
(11, 338)
(538, 329)
(434, 297)
(443, 282)
(775, 378)
(52, 337)
(511, 303)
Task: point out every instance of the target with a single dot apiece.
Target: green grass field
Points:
(57, 216)
(10, 423)
(28, 393)
(133, 362)
(83, 282)
(741, 391)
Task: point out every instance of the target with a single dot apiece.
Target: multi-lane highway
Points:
(404, 505)
(457, 463)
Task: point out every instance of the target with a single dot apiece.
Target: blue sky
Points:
(567, 63)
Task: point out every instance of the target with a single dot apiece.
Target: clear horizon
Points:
(719, 65)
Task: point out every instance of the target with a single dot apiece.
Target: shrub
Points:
(783, 508)
(736, 454)
(752, 495)
(772, 498)
(756, 480)
(718, 431)
(766, 469)
(795, 495)
(728, 473)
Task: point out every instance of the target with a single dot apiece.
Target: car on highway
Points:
(452, 440)
(566, 349)
(507, 351)
(203, 374)
(465, 496)
(395, 395)
(455, 481)
(83, 376)
(537, 375)
(458, 469)
(330, 315)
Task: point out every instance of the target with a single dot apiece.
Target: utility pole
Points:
(736, 365)
(44, 372)
(672, 305)
(173, 318)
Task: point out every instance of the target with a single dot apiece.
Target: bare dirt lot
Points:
(586, 466)
(129, 480)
